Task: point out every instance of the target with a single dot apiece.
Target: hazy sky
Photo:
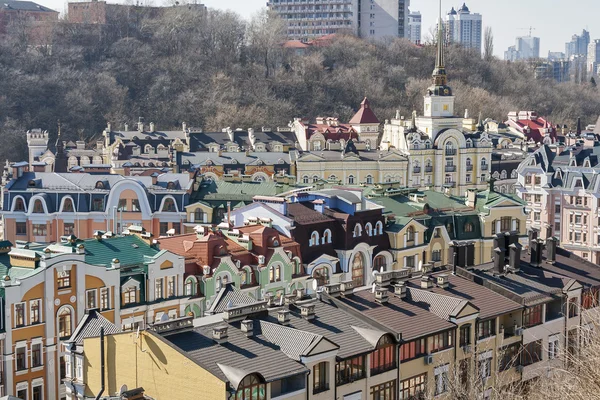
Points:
(555, 21)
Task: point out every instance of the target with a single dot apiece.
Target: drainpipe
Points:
(101, 363)
(308, 385)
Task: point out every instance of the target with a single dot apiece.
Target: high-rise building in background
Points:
(414, 27)
(464, 28)
(578, 46)
(593, 57)
(370, 19)
(525, 48)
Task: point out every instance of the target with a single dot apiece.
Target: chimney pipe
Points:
(283, 316)
(515, 257)
(219, 334)
(498, 261)
(532, 235)
(229, 213)
(551, 250)
(101, 363)
(247, 327)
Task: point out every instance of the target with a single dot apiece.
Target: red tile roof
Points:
(536, 127)
(365, 114)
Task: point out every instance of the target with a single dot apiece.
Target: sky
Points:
(554, 21)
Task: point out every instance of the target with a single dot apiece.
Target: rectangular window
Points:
(509, 356)
(413, 388)
(158, 288)
(35, 306)
(39, 229)
(532, 316)
(506, 224)
(552, 348)
(528, 179)
(21, 228)
(578, 201)
(536, 216)
(350, 370)
(21, 358)
(19, 314)
(441, 379)
(135, 205)
(104, 299)
(537, 198)
(590, 298)
(486, 329)
(37, 393)
(557, 208)
(413, 349)
(578, 219)
(384, 391)
(98, 205)
(69, 228)
(122, 205)
(164, 227)
(538, 180)
(171, 286)
(22, 393)
(532, 353)
(441, 341)
(578, 236)
(468, 178)
(36, 355)
(465, 335)
(320, 383)
(79, 368)
(129, 296)
(484, 366)
(63, 279)
(176, 228)
(383, 359)
(90, 297)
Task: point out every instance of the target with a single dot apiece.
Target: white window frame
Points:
(87, 293)
(553, 347)
(23, 386)
(107, 290)
(441, 379)
(21, 345)
(79, 368)
(24, 304)
(37, 342)
(40, 309)
(39, 382)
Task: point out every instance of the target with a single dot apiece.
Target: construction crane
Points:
(531, 28)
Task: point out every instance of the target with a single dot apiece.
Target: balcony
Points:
(469, 167)
(450, 152)
(417, 170)
(450, 168)
(428, 170)
(450, 184)
(484, 167)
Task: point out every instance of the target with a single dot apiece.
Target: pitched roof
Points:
(90, 326)
(229, 296)
(365, 114)
(293, 342)
(442, 305)
(129, 250)
(23, 6)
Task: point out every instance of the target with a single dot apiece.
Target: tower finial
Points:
(439, 72)
(59, 126)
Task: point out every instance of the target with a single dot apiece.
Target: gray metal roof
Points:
(293, 342)
(441, 305)
(90, 326)
(24, 6)
(229, 296)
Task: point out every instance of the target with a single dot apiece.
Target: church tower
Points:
(60, 158)
(439, 101)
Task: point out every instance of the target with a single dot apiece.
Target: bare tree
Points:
(488, 44)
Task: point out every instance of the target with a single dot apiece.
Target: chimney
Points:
(498, 261)
(347, 287)
(300, 293)
(219, 334)
(126, 127)
(471, 198)
(400, 290)
(98, 235)
(140, 125)
(247, 326)
(532, 235)
(307, 311)
(536, 252)
(115, 264)
(154, 178)
(151, 126)
(270, 298)
(453, 256)
(551, 250)
(283, 316)
(381, 295)
(426, 282)
(514, 259)
(443, 281)
(184, 126)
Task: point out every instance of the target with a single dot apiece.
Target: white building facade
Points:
(464, 28)
(414, 27)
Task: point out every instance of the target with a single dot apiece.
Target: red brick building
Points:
(27, 17)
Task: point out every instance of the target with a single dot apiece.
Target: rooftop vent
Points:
(381, 295)
(219, 334)
(426, 283)
(247, 327)
(443, 281)
(400, 290)
(283, 316)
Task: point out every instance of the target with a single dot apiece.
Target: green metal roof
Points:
(239, 191)
(489, 199)
(13, 272)
(129, 250)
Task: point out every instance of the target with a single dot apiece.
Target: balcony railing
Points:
(470, 167)
(428, 170)
(450, 152)
(450, 184)
(417, 170)
(484, 167)
(450, 168)
(383, 368)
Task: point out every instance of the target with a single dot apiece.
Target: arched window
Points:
(315, 178)
(199, 215)
(410, 234)
(450, 149)
(259, 178)
(327, 236)
(314, 239)
(274, 273)
(99, 185)
(514, 174)
(384, 357)
(19, 204)
(351, 180)
(357, 231)
(189, 287)
(380, 262)
(379, 228)
(369, 180)
(321, 274)
(251, 388)
(469, 162)
(68, 205)
(305, 179)
(469, 227)
(503, 174)
(369, 229)
(218, 283)
(332, 178)
(246, 276)
(65, 322)
(317, 145)
(169, 205)
(358, 272)
(483, 162)
(38, 207)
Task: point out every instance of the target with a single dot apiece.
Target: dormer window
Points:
(38, 207)
(314, 239)
(169, 206)
(357, 231)
(99, 185)
(19, 204)
(68, 205)
(171, 185)
(410, 234)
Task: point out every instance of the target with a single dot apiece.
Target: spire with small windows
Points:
(440, 80)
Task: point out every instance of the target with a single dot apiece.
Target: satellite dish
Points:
(315, 285)
(122, 390)
(164, 318)
(373, 288)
